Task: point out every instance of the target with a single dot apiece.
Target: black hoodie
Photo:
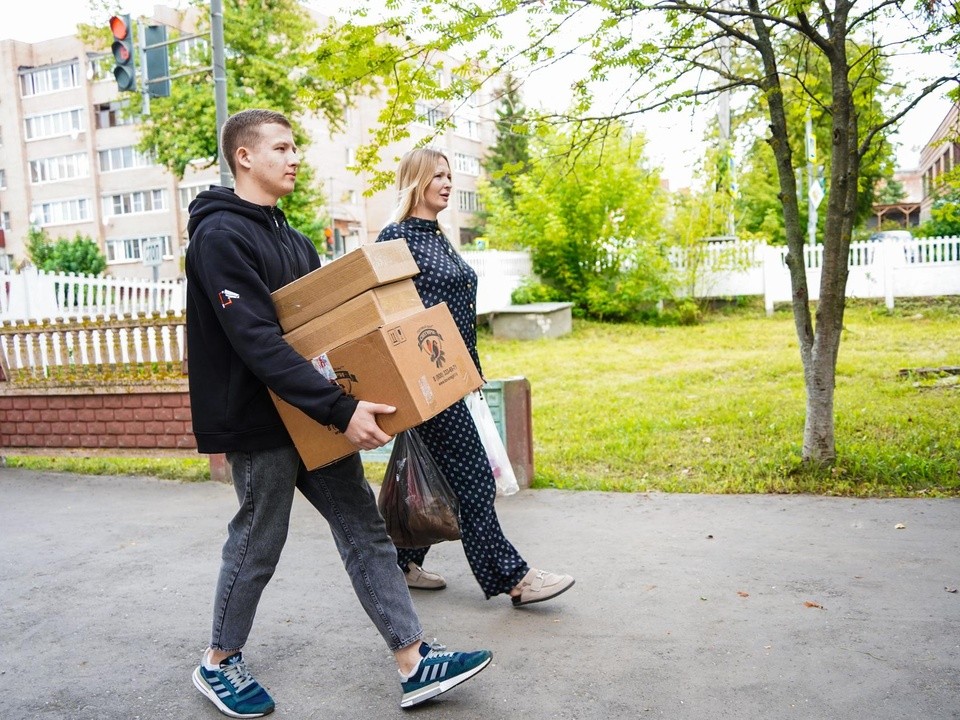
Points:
(238, 254)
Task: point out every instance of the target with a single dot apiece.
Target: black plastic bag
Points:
(417, 504)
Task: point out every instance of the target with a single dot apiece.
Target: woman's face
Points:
(437, 195)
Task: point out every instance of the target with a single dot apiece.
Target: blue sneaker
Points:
(440, 671)
(233, 689)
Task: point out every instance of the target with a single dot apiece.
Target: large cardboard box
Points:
(417, 363)
(355, 317)
(346, 277)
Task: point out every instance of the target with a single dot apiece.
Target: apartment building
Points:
(69, 163)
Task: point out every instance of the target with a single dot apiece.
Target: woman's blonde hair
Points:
(413, 177)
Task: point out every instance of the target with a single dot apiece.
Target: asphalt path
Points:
(686, 606)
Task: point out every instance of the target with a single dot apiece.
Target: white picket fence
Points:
(36, 295)
(922, 267)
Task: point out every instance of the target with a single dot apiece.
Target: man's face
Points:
(273, 162)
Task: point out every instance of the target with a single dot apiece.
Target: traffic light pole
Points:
(219, 83)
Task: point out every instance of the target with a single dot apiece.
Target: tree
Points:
(267, 58)
(805, 76)
(80, 256)
(593, 229)
(675, 53)
(890, 192)
(510, 154)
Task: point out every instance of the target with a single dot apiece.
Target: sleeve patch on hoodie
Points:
(227, 297)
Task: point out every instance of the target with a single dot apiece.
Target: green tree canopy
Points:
(593, 226)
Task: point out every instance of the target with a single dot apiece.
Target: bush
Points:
(534, 291)
(81, 255)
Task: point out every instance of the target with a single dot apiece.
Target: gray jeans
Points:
(265, 481)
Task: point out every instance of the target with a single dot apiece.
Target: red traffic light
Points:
(119, 28)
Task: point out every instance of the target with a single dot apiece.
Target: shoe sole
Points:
(431, 691)
(424, 587)
(518, 603)
(202, 686)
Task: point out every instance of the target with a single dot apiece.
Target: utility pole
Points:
(814, 191)
(219, 83)
(726, 147)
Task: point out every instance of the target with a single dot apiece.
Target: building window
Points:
(63, 167)
(113, 114)
(428, 114)
(101, 67)
(61, 212)
(467, 201)
(65, 122)
(189, 192)
(131, 249)
(5, 220)
(50, 79)
(139, 201)
(124, 158)
(353, 197)
(3, 179)
(467, 127)
(466, 164)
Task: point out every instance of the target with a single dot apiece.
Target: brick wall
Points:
(98, 420)
(151, 421)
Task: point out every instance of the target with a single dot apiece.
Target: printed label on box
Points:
(431, 342)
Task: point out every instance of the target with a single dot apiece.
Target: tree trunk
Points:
(819, 446)
(819, 345)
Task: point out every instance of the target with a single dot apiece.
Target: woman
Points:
(424, 183)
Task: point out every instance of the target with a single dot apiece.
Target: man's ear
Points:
(243, 157)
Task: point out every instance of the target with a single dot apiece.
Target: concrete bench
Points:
(533, 321)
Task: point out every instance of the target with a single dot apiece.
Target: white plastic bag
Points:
(496, 452)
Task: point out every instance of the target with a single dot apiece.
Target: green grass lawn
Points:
(719, 407)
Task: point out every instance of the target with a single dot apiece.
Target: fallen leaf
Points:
(741, 593)
(812, 604)
(899, 526)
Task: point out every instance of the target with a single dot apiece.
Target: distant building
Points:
(906, 211)
(941, 154)
(69, 163)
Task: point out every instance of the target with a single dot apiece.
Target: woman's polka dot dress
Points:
(451, 436)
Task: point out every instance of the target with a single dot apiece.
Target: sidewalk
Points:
(686, 606)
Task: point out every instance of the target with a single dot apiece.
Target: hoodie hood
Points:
(219, 199)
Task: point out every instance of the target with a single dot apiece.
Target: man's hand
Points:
(363, 430)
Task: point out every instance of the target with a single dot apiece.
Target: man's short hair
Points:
(243, 130)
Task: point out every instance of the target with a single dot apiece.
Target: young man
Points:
(242, 249)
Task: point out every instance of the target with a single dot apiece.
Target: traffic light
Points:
(157, 60)
(125, 70)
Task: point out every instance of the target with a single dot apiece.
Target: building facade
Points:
(69, 163)
(940, 155)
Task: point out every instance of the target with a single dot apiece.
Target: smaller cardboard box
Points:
(346, 277)
(417, 363)
(355, 317)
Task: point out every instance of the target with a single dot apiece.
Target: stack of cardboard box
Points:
(360, 318)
